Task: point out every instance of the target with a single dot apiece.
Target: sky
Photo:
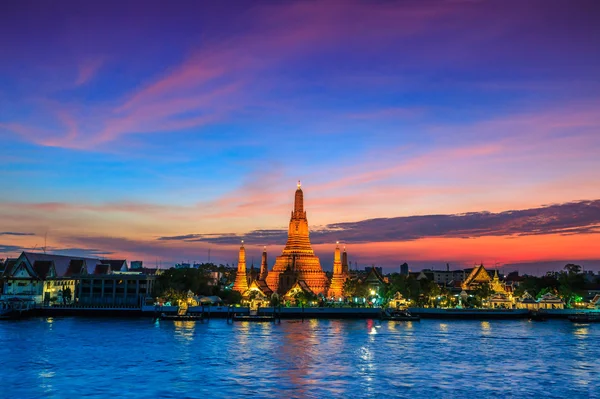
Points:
(427, 132)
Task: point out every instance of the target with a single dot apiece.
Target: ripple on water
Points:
(100, 358)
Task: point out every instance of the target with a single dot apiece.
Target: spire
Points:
(299, 202)
(263, 265)
(337, 263)
(242, 258)
(241, 279)
(340, 273)
(344, 261)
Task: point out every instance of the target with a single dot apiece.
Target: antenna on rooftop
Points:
(45, 239)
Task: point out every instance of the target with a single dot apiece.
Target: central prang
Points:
(297, 268)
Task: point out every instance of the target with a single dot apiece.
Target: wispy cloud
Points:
(215, 79)
(87, 70)
(12, 233)
(83, 252)
(582, 217)
(11, 249)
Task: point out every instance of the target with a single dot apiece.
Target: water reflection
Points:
(184, 330)
(486, 328)
(314, 359)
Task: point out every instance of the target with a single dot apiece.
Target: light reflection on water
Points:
(99, 358)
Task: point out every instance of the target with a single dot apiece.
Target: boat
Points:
(470, 313)
(181, 317)
(250, 317)
(399, 315)
(15, 308)
(537, 316)
(585, 318)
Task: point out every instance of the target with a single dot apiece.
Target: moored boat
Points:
(585, 318)
(181, 317)
(239, 317)
(399, 315)
(470, 313)
(14, 308)
(537, 316)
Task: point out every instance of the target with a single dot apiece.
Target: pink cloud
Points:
(87, 70)
(213, 80)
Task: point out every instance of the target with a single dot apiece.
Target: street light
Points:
(372, 292)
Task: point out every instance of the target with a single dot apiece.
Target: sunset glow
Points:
(414, 127)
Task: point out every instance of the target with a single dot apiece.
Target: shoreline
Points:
(223, 312)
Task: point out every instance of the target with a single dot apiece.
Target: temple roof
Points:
(42, 268)
(550, 298)
(116, 265)
(261, 286)
(374, 276)
(478, 274)
(75, 267)
(300, 284)
(61, 262)
(102, 269)
(8, 266)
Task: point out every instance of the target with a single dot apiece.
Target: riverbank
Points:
(305, 313)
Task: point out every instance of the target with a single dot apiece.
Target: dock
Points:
(181, 317)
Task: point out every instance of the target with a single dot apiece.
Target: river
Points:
(140, 358)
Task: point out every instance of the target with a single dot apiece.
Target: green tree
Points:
(572, 268)
(354, 288)
(275, 300)
(173, 295)
(397, 283)
(304, 298)
(230, 296)
(67, 294)
(184, 280)
(483, 292)
(571, 284)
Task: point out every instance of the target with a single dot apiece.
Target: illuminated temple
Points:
(340, 273)
(298, 262)
(297, 268)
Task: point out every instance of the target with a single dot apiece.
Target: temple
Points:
(264, 268)
(241, 279)
(340, 273)
(298, 262)
(296, 269)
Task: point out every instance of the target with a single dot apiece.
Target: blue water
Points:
(104, 358)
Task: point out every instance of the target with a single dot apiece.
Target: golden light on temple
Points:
(298, 262)
(340, 272)
(241, 278)
(297, 268)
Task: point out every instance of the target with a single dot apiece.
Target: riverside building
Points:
(48, 279)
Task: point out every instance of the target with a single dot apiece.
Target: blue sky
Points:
(126, 122)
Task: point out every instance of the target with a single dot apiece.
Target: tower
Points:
(337, 262)
(345, 262)
(241, 279)
(298, 253)
(340, 273)
(263, 266)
